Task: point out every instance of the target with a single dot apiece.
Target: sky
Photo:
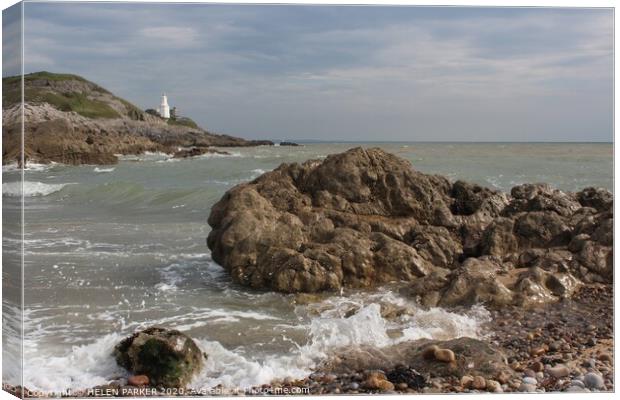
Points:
(343, 73)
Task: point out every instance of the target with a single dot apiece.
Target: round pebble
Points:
(559, 371)
(479, 383)
(576, 389)
(576, 382)
(537, 366)
(494, 386)
(526, 387)
(593, 380)
(530, 381)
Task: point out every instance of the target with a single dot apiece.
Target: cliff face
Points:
(71, 120)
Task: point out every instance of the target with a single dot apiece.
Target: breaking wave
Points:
(240, 367)
(31, 189)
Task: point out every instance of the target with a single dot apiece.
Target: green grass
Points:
(79, 103)
(50, 76)
(184, 121)
(43, 75)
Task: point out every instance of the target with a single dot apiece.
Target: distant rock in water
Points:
(197, 151)
(365, 217)
(70, 120)
(289, 144)
(167, 357)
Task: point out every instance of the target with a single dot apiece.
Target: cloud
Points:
(345, 72)
(11, 41)
(171, 36)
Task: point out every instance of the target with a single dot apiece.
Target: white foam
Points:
(82, 368)
(31, 189)
(439, 324)
(34, 167)
(364, 327)
(103, 170)
(234, 154)
(256, 173)
(233, 370)
(165, 287)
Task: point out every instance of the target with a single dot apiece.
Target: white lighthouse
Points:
(164, 108)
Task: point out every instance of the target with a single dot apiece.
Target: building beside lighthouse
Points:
(164, 108)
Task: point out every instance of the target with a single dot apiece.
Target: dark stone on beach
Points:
(167, 357)
(364, 218)
(402, 374)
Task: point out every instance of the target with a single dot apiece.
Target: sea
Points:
(112, 249)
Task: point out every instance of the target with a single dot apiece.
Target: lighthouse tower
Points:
(164, 108)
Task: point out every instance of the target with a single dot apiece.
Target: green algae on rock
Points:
(168, 357)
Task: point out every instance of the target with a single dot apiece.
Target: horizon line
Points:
(446, 141)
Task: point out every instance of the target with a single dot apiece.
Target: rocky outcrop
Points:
(365, 217)
(168, 358)
(70, 120)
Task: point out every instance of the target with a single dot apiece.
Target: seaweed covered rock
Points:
(366, 217)
(167, 357)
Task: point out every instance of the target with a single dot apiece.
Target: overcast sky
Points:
(344, 73)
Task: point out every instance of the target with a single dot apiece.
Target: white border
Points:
(476, 3)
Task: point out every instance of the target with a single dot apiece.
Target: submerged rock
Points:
(365, 217)
(166, 357)
(197, 151)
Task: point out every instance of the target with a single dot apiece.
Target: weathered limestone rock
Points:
(476, 282)
(364, 217)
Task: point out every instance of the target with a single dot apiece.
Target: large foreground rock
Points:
(365, 217)
(168, 357)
